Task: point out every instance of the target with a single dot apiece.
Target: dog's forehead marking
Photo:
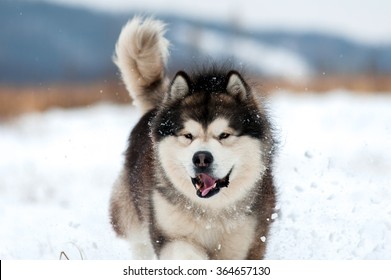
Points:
(193, 127)
(216, 127)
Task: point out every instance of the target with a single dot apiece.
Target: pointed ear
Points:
(179, 88)
(236, 86)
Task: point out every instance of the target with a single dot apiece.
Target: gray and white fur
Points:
(197, 180)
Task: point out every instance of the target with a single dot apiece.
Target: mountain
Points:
(42, 42)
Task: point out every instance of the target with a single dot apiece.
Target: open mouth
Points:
(207, 186)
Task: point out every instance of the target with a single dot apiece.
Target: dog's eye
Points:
(223, 136)
(188, 136)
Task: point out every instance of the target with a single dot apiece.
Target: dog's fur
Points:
(197, 181)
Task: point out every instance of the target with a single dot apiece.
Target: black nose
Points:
(202, 159)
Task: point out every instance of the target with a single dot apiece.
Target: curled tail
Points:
(141, 53)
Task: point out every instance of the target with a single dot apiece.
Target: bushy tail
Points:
(141, 54)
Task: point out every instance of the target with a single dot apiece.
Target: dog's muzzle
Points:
(207, 186)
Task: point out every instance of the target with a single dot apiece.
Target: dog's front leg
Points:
(182, 250)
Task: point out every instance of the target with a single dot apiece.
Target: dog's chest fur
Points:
(219, 232)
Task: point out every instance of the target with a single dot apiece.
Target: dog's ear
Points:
(236, 86)
(179, 88)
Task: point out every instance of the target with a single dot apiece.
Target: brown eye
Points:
(188, 136)
(223, 136)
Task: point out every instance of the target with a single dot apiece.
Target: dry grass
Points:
(17, 100)
(359, 84)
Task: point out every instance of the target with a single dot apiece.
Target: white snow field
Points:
(333, 174)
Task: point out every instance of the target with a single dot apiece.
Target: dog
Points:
(197, 180)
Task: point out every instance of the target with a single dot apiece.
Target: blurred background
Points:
(59, 52)
(324, 67)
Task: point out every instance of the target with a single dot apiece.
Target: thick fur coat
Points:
(197, 180)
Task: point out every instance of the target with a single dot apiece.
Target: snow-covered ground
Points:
(333, 174)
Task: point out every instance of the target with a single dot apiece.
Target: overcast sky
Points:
(364, 20)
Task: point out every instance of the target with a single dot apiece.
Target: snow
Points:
(56, 172)
(274, 61)
(332, 172)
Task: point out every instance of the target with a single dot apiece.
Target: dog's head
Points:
(211, 135)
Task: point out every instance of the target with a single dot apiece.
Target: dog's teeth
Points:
(214, 186)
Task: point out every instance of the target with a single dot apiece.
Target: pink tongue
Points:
(208, 183)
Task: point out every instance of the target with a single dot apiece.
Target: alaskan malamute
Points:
(197, 180)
